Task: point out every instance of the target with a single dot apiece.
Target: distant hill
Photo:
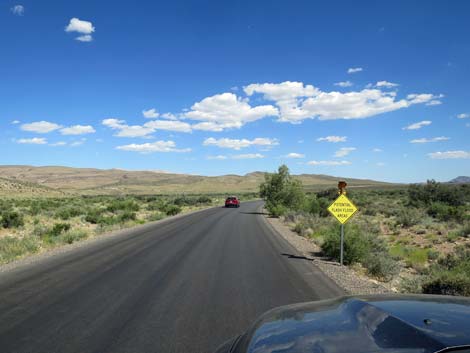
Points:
(91, 181)
(460, 180)
(15, 188)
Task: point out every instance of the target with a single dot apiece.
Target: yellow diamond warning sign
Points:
(342, 208)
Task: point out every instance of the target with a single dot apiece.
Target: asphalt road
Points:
(184, 285)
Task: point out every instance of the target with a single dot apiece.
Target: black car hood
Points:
(362, 324)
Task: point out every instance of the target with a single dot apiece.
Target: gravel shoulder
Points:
(348, 279)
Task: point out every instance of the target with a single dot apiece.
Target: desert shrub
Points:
(312, 205)
(93, 216)
(58, 229)
(356, 244)
(382, 266)
(11, 248)
(66, 213)
(447, 283)
(11, 219)
(123, 205)
(126, 216)
(277, 210)
(204, 199)
(171, 209)
(408, 217)
(433, 191)
(445, 212)
(329, 194)
(73, 236)
(156, 216)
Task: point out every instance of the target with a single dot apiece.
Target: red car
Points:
(232, 201)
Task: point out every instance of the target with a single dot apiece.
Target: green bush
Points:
(123, 205)
(12, 248)
(281, 192)
(126, 216)
(58, 229)
(11, 219)
(171, 210)
(408, 217)
(73, 236)
(445, 212)
(356, 245)
(382, 266)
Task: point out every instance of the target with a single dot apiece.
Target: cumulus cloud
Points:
(329, 163)
(463, 116)
(344, 151)
(334, 139)
(15, 122)
(450, 155)
(386, 84)
(77, 130)
(124, 130)
(157, 146)
(418, 125)
(18, 10)
(353, 70)
(238, 144)
(427, 98)
(33, 141)
(226, 111)
(151, 113)
(297, 102)
(83, 27)
(377, 150)
(248, 156)
(41, 127)
(294, 155)
(427, 140)
(344, 84)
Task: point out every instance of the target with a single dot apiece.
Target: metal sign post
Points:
(342, 209)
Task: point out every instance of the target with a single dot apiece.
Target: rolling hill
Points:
(91, 181)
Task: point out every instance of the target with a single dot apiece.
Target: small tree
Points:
(281, 192)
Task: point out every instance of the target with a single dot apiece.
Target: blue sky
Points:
(368, 89)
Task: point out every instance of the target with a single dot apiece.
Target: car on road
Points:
(232, 201)
(363, 324)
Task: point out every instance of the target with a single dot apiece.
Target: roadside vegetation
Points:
(29, 225)
(416, 238)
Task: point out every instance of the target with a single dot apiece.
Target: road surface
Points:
(184, 285)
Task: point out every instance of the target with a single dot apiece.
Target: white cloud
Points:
(84, 38)
(14, 122)
(380, 164)
(353, 70)
(237, 144)
(59, 143)
(147, 129)
(334, 139)
(386, 84)
(426, 140)
(169, 116)
(294, 155)
(41, 127)
(78, 142)
(377, 150)
(218, 157)
(463, 116)
(18, 10)
(84, 27)
(157, 146)
(418, 125)
(77, 130)
(77, 25)
(344, 151)
(226, 111)
(450, 155)
(33, 141)
(248, 156)
(298, 102)
(169, 125)
(151, 113)
(329, 163)
(427, 98)
(344, 84)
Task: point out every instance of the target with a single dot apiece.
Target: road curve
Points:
(183, 285)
